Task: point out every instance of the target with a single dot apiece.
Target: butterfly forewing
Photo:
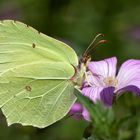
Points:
(35, 73)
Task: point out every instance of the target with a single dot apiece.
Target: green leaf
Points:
(35, 73)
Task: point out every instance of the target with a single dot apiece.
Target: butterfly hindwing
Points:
(36, 102)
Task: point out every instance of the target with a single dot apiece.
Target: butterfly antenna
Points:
(95, 45)
(92, 43)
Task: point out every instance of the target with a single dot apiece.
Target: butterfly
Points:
(38, 75)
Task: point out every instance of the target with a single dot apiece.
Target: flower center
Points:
(110, 81)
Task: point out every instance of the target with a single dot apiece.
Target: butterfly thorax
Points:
(79, 77)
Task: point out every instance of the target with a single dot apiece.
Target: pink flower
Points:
(103, 83)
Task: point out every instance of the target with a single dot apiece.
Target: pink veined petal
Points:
(100, 94)
(104, 68)
(92, 92)
(129, 74)
(85, 114)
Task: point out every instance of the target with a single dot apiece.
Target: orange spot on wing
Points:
(33, 45)
(28, 88)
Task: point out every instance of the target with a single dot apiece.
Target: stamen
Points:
(110, 81)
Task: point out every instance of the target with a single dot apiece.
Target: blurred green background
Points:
(76, 22)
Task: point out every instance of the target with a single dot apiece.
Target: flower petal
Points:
(104, 68)
(102, 94)
(131, 88)
(92, 92)
(85, 114)
(107, 95)
(129, 75)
